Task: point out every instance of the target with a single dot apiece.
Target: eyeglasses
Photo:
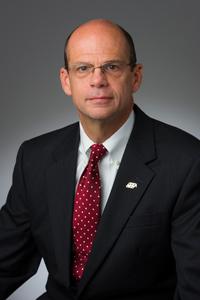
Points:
(114, 69)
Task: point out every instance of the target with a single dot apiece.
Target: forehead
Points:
(97, 42)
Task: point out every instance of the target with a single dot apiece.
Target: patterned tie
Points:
(87, 211)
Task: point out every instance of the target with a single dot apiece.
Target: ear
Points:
(137, 77)
(65, 81)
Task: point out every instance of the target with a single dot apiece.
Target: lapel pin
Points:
(131, 185)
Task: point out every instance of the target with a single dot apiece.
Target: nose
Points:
(98, 78)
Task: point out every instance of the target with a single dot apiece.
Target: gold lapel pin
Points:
(131, 185)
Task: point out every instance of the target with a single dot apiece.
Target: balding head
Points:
(97, 27)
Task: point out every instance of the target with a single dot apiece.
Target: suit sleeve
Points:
(19, 257)
(186, 237)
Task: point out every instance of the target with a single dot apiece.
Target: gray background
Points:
(32, 34)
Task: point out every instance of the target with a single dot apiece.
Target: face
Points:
(100, 96)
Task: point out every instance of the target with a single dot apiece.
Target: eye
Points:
(83, 69)
(112, 67)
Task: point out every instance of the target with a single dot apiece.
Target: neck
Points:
(100, 130)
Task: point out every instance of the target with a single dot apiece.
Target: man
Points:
(123, 224)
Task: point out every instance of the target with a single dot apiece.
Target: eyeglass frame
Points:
(102, 66)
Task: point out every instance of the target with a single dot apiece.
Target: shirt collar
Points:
(115, 144)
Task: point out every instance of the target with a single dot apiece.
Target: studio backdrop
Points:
(167, 40)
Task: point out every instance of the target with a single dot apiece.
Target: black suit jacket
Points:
(148, 241)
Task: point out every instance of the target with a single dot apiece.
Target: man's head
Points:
(101, 73)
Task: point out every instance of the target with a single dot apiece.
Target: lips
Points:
(99, 97)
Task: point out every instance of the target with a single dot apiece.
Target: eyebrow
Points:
(112, 61)
(105, 62)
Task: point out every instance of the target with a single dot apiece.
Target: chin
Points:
(101, 116)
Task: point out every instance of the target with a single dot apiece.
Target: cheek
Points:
(78, 90)
(125, 85)
(125, 90)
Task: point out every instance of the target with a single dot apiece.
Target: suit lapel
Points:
(123, 201)
(60, 185)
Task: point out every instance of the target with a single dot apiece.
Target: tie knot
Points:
(97, 152)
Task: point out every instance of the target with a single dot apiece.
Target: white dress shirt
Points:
(109, 164)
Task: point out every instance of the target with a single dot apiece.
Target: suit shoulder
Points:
(176, 140)
(54, 135)
(47, 142)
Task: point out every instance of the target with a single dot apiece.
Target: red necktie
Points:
(87, 211)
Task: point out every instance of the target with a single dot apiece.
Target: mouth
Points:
(99, 98)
